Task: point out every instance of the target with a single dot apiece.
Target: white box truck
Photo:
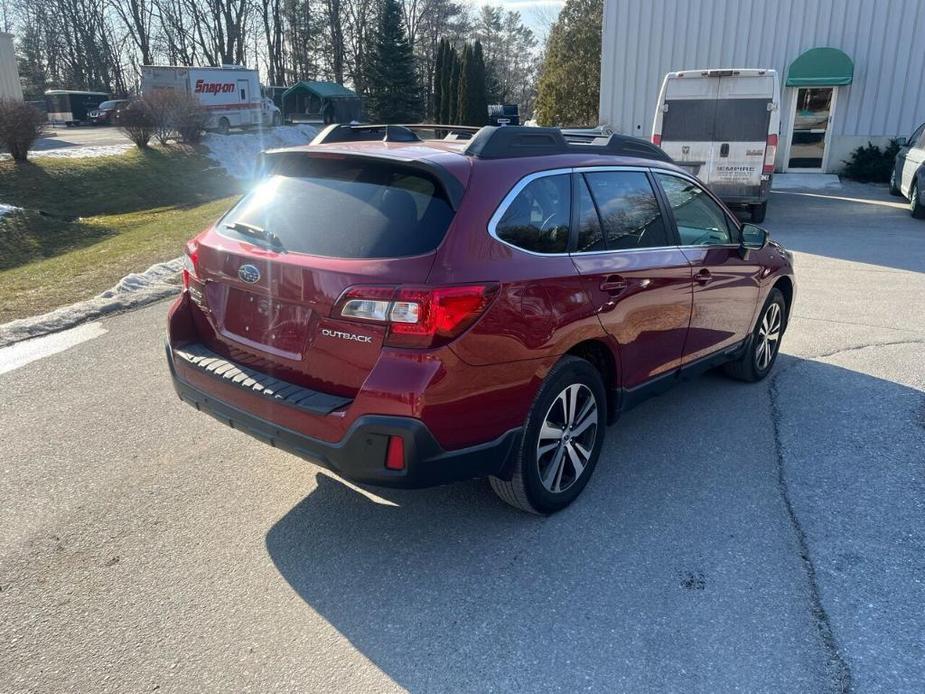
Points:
(230, 94)
(723, 126)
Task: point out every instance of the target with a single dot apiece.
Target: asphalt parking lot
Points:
(753, 538)
(61, 137)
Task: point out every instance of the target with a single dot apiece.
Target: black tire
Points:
(916, 206)
(750, 366)
(894, 189)
(526, 489)
(758, 212)
(223, 126)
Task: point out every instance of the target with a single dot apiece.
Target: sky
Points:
(536, 14)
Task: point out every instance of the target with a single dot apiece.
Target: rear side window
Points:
(716, 120)
(537, 219)
(346, 209)
(628, 209)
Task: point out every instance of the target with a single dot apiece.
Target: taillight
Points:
(417, 317)
(190, 263)
(657, 139)
(770, 153)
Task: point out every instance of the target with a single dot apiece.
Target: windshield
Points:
(343, 209)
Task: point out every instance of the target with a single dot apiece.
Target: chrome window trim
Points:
(509, 198)
(529, 178)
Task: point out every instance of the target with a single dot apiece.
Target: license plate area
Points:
(263, 322)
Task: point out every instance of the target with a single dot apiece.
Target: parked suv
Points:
(413, 312)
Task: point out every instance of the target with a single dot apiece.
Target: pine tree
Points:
(479, 88)
(569, 88)
(452, 92)
(439, 69)
(393, 94)
(464, 93)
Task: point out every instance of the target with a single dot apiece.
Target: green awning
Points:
(820, 67)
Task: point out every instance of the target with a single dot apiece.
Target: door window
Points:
(918, 138)
(810, 123)
(701, 222)
(628, 209)
(537, 219)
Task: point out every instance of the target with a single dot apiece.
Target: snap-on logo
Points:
(346, 336)
(203, 87)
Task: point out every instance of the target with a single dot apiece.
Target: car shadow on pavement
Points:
(678, 569)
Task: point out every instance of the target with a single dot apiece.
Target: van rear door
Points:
(717, 126)
(687, 122)
(740, 134)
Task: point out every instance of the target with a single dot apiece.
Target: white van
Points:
(723, 126)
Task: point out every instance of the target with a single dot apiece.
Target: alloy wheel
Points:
(768, 337)
(567, 438)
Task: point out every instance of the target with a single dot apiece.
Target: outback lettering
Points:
(346, 336)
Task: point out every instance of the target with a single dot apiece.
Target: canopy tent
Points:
(820, 67)
(307, 100)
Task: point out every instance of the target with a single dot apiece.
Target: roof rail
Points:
(493, 142)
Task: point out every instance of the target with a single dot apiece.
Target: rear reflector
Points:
(770, 153)
(395, 455)
(417, 317)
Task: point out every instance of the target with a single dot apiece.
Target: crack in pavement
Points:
(840, 672)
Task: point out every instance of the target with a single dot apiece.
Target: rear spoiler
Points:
(383, 132)
(278, 160)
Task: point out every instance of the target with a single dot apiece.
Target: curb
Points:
(132, 291)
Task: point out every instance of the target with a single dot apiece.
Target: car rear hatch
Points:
(268, 275)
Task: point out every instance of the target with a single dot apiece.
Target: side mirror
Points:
(753, 238)
(901, 141)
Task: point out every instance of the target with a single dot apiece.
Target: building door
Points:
(811, 121)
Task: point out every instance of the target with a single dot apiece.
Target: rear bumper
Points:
(360, 454)
(733, 194)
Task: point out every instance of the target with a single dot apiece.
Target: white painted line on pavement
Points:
(27, 351)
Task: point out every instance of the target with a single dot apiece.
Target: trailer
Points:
(70, 107)
(231, 94)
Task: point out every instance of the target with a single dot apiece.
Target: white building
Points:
(10, 88)
(868, 82)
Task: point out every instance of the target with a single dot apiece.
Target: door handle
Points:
(703, 277)
(613, 284)
(724, 149)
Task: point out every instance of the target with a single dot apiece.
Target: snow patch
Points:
(6, 209)
(134, 290)
(86, 152)
(237, 152)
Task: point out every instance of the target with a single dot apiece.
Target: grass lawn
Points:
(89, 222)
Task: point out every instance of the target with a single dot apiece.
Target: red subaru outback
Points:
(411, 312)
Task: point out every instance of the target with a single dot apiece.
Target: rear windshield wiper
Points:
(256, 232)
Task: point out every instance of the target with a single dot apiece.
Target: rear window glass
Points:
(345, 209)
(716, 120)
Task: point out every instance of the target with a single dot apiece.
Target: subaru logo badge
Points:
(249, 273)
